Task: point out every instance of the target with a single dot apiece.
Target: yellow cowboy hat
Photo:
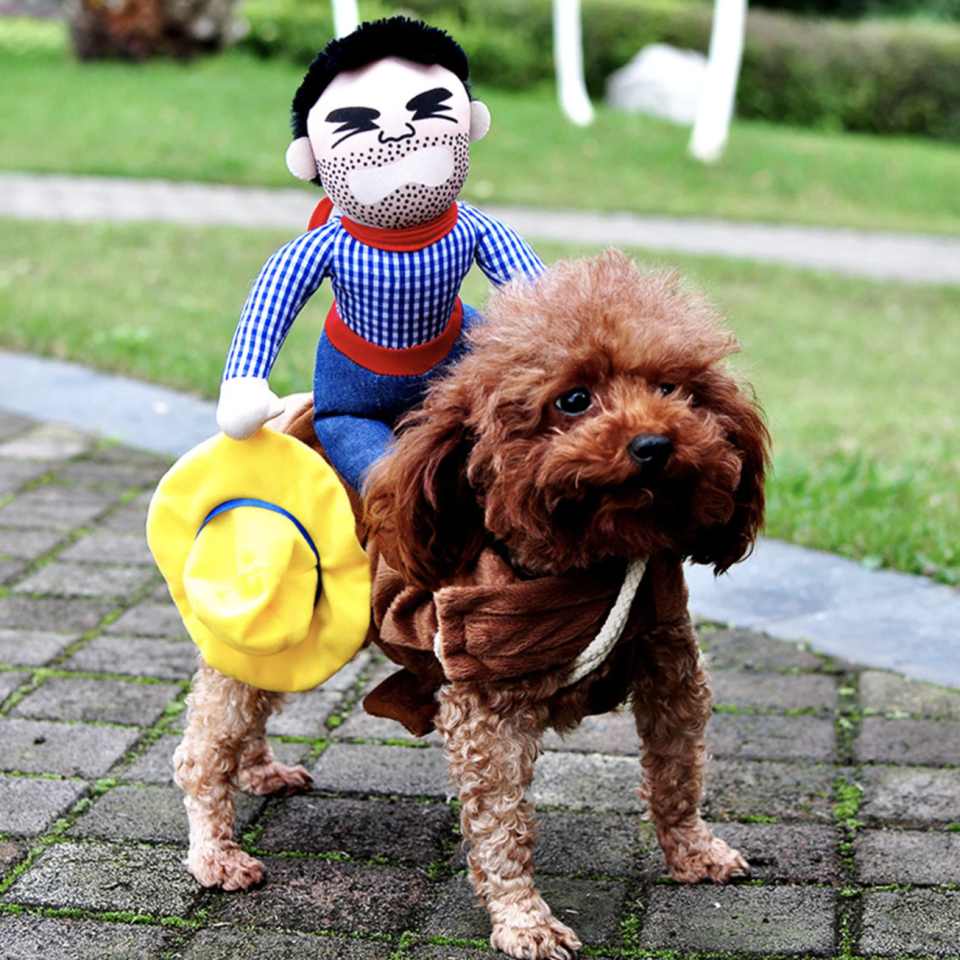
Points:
(256, 540)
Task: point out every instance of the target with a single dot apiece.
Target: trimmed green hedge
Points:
(876, 76)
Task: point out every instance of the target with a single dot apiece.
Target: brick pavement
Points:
(839, 782)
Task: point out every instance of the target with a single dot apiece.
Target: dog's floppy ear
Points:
(419, 504)
(728, 543)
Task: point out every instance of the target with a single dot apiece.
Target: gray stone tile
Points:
(780, 920)
(108, 877)
(319, 895)
(895, 856)
(402, 832)
(97, 701)
(149, 814)
(882, 692)
(131, 517)
(607, 733)
(53, 614)
(60, 579)
(123, 475)
(136, 657)
(751, 650)
(766, 737)
(590, 907)
(29, 806)
(55, 507)
(10, 681)
(933, 743)
(401, 771)
(155, 765)
(773, 691)
(150, 619)
(29, 544)
(586, 781)
(10, 570)
(226, 944)
(15, 473)
(46, 442)
(27, 937)
(794, 791)
(787, 852)
(304, 714)
(32, 648)
(601, 845)
(910, 795)
(110, 548)
(12, 853)
(12, 423)
(120, 454)
(67, 749)
(905, 923)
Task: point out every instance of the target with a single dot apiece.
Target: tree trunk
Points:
(140, 29)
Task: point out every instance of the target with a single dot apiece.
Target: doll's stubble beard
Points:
(409, 205)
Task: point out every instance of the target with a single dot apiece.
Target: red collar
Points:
(409, 238)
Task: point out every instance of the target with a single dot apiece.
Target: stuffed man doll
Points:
(382, 121)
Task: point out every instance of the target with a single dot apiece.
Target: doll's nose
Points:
(401, 133)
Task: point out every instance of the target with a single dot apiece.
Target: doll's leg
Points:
(490, 756)
(672, 706)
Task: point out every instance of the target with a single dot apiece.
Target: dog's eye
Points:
(575, 402)
(667, 388)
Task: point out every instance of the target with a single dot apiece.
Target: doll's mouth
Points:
(429, 166)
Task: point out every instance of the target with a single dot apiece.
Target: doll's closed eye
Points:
(355, 119)
(430, 105)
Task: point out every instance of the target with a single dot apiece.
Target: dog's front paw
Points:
(550, 940)
(273, 777)
(718, 861)
(224, 865)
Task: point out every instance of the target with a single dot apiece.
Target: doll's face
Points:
(391, 141)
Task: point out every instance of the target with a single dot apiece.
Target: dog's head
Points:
(592, 418)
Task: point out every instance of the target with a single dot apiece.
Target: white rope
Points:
(612, 629)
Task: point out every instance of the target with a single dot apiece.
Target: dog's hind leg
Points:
(672, 705)
(491, 745)
(223, 717)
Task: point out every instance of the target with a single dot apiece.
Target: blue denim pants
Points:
(355, 409)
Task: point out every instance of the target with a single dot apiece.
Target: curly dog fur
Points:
(593, 419)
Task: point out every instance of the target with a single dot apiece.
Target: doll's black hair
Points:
(393, 37)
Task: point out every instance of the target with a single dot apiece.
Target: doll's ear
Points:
(300, 159)
(479, 120)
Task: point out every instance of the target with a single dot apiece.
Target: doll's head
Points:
(383, 122)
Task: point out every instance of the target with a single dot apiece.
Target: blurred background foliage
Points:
(878, 74)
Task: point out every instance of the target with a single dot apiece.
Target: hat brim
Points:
(273, 467)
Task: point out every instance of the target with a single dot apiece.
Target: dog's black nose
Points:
(650, 450)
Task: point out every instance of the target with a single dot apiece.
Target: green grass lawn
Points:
(858, 378)
(225, 119)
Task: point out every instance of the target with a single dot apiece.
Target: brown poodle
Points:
(527, 537)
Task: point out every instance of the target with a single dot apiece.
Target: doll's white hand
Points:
(246, 404)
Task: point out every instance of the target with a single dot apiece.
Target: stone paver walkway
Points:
(841, 783)
(907, 258)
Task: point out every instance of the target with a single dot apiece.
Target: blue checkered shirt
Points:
(391, 299)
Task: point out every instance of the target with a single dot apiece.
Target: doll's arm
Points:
(502, 253)
(288, 279)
